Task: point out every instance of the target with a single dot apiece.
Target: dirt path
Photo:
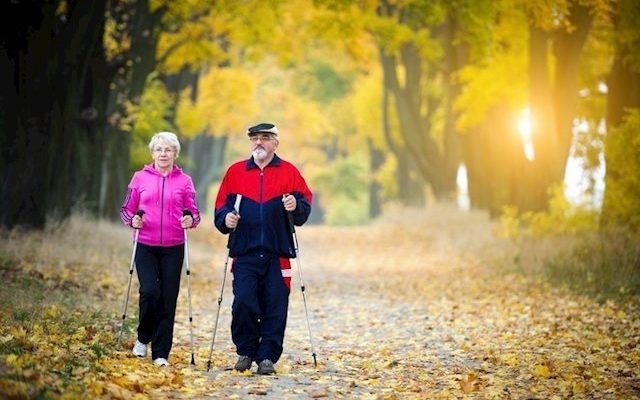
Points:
(367, 343)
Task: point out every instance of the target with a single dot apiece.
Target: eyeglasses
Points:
(167, 150)
(265, 138)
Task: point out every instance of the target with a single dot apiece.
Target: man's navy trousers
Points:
(261, 300)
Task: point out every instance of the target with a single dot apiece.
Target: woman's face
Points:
(163, 154)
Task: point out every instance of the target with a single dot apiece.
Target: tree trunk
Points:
(82, 38)
(496, 166)
(455, 57)
(406, 183)
(46, 58)
(567, 50)
(128, 85)
(376, 159)
(25, 113)
(419, 145)
(553, 107)
(624, 94)
(543, 134)
(91, 140)
(206, 156)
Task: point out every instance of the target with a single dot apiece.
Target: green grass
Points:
(608, 268)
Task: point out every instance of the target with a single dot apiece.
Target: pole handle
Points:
(139, 213)
(232, 234)
(292, 227)
(185, 212)
(235, 211)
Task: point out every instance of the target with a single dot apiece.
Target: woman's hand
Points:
(136, 222)
(186, 221)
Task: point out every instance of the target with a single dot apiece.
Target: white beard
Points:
(259, 154)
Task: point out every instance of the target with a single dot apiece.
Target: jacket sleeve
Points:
(221, 207)
(131, 202)
(190, 202)
(303, 200)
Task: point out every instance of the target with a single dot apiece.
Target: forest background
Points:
(379, 102)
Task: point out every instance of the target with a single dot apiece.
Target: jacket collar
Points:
(252, 164)
(149, 168)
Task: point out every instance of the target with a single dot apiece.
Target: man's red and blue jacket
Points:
(263, 227)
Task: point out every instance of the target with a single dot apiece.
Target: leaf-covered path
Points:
(408, 307)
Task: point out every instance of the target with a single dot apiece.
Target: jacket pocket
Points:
(177, 202)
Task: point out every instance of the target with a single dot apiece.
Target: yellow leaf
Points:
(138, 387)
(509, 359)
(18, 332)
(177, 380)
(6, 338)
(470, 385)
(11, 360)
(542, 371)
(578, 387)
(53, 312)
(96, 388)
(121, 381)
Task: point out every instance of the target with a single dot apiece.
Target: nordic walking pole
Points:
(139, 213)
(302, 288)
(186, 212)
(236, 210)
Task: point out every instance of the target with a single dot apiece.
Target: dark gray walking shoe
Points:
(243, 364)
(266, 368)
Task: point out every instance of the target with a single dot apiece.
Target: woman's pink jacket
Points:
(163, 199)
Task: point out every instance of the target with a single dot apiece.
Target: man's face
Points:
(263, 145)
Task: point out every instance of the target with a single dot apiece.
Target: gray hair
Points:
(168, 137)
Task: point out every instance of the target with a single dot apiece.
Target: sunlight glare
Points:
(525, 128)
(603, 88)
(464, 203)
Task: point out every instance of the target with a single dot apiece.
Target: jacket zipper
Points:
(162, 209)
(261, 212)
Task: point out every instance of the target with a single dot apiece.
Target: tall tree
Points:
(415, 104)
(134, 57)
(46, 54)
(553, 98)
(621, 203)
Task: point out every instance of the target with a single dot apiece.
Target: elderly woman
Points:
(168, 199)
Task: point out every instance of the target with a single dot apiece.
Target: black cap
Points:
(262, 128)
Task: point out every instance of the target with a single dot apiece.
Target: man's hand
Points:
(290, 202)
(231, 220)
(136, 222)
(186, 221)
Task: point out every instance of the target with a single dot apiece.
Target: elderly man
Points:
(252, 203)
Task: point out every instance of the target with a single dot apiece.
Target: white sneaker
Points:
(161, 362)
(139, 349)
